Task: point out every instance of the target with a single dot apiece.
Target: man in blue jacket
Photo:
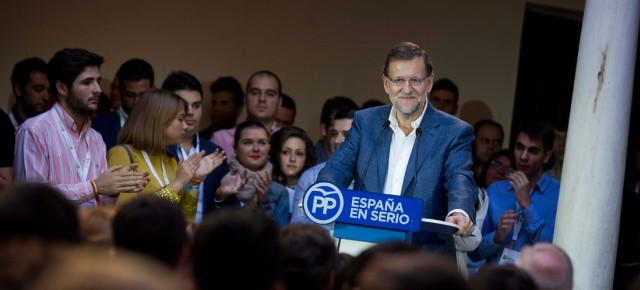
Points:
(410, 149)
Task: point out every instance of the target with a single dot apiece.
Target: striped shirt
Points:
(42, 154)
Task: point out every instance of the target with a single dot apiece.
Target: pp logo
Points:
(323, 203)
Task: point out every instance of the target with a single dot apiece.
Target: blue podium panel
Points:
(367, 233)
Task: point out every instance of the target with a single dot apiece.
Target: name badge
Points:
(509, 256)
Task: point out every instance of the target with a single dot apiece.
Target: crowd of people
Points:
(124, 191)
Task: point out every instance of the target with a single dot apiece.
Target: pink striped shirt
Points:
(43, 155)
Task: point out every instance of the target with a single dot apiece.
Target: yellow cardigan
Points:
(118, 156)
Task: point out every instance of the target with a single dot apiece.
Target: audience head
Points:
(95, 225)
(227, 100)
(236, 248)
(488, 140)
(309, 257)
(35, 220)
(340, 127)
(286, 114)
(189, 89)
(263, 97)
(549, 266)
(329, 109)
(151, 226)
(135, 77)
(444, 96)
(165, 125)
(533, 148)
(497, 168)
(502, 277)
(31, 86)
(560, 141)
(251, 143)
(74, 76)
(395, 267)
(89, 269)
(291, 153)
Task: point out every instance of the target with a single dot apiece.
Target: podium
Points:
(363, 219)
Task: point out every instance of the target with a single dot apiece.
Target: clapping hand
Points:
(209, 163)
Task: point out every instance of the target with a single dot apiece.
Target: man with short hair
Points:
(31, 89)
(135, 77)
(410, 149)
(286, 114)
(263, 97)
(444, 96)
(549, 266)
(329, 109)
(227, 100)
(59, 147)
(522, 208)
(489, 139)
(189, 88)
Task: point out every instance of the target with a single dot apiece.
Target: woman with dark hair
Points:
(251, 164)
(158, 120)
(498, 167)
(292, 153)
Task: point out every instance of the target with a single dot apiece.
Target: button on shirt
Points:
(42, 155)
(399, 152)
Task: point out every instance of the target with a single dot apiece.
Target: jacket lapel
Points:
(430, 130)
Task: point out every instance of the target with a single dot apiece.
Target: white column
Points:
(591, 190)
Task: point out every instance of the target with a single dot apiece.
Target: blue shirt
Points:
(538, 223)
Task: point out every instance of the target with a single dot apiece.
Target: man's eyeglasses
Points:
(400, 82)
(499, 166)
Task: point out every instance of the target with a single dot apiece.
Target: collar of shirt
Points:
(68, 122)
(123, 116)
(415, 123)
(399, 153)
(542, 184)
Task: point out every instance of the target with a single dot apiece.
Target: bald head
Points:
(549, 266)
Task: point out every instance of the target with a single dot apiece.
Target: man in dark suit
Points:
(135, 77)
(189, 88)
(409, 148)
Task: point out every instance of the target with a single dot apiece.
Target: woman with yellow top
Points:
(158, 120)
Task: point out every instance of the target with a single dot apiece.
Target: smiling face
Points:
(292, 157)
(408, 85)
(83, 96)
(252, 149)
(175, 132)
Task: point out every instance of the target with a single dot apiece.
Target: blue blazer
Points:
(108, 125)
(212, 182)
(444, 176)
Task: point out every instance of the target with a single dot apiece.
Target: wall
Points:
(318, 48)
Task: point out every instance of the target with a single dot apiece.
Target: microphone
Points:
(375, 144)
(415, 171)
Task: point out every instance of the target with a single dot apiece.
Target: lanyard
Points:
(83, 171)
(191, 150)
(14, 121)
(517, 226)
(153, 170)
(123, 116)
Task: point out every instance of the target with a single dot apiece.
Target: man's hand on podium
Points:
(466, 226)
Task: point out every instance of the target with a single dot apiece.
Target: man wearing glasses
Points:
(411, 149)
(135, 77)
